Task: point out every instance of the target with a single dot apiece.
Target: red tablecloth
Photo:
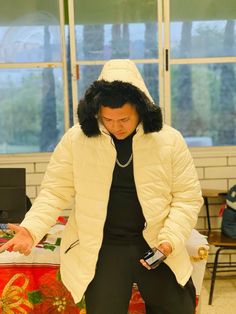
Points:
(38, 289)
(32, 284)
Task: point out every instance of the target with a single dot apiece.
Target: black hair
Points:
(114, 95)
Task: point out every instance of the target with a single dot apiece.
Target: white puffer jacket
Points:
(81, 167)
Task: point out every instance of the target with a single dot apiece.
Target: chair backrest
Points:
(229, 214)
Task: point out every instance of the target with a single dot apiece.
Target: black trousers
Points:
(118, 268)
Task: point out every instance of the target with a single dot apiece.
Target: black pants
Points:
(118, 268)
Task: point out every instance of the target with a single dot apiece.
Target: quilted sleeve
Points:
(186, 197)
(57, 191)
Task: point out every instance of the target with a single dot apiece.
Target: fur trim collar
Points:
(101, 92)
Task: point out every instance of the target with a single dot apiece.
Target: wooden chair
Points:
(217, 239)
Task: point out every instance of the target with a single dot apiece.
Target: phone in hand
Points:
(154, 257)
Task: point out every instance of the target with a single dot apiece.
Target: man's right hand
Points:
(22, 241)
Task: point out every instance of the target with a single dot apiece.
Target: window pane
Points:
(118, 30)
(203, 39)
(30, 32)
(149, 73)
(90, 73)
(203, 103)
(203, 28)
(31, 110)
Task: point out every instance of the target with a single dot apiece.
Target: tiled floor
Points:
(224, 298)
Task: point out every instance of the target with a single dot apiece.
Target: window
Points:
(32, 81)
(51, 51)
(203, 76)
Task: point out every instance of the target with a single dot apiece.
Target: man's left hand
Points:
(164, 247)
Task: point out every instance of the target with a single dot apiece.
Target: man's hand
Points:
(164, 247)
(22, 241)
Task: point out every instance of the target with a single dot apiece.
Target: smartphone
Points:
(154, 257)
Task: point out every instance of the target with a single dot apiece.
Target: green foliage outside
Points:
(21, 114)
(204, 95)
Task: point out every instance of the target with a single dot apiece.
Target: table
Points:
(32, 284)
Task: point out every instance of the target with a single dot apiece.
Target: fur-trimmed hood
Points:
(118, 83)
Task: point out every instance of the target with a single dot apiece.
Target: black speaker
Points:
(12, 195)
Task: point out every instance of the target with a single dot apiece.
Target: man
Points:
(135, 188)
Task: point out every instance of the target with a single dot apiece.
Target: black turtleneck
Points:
(125, 220)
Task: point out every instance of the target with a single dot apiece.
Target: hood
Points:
(119, 82)
(125, 71)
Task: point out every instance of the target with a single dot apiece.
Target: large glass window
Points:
(51, 51)
(31, 76)
(203, 71)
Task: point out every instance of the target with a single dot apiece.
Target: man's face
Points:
(120, 122)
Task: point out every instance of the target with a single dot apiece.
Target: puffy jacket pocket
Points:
(73, 244)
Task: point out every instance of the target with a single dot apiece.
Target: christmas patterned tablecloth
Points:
(32, 284)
